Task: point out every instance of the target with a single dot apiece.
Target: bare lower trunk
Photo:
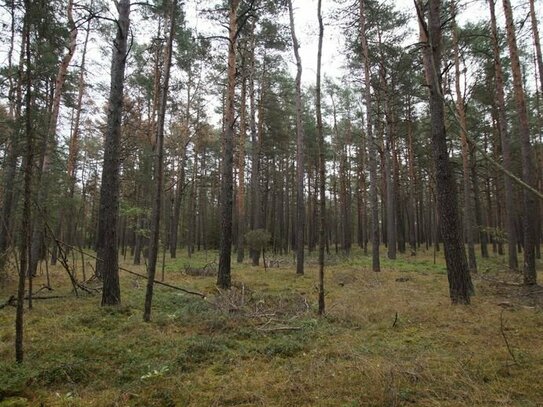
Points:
(26, 227)
(159, 160)
(300, 209)
(505, 143)
(468, 197)
(322, 170)
(460, 285)
(107, 265)
(376, 266)
(530, 217)
(225, 246)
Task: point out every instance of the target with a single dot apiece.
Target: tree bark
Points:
(159, 162)
(240, 193)
(537, 43)
(460, 285)
(47, 146)
(225, 245)
(300, 209)
(26, 227)
(322, 163)
(505, 143)
(530, 203)
(460, 108)
(376, 266)
(108, 265)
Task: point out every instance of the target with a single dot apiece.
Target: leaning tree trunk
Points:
(300, 210)
(159, 176)
(505, 143)
(43, 174)
(460, 285)
(225, 245)
(107, 264)
(530, 217)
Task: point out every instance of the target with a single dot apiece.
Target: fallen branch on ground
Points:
(10, 301)
(502, 330)
(280, 328)
(134, 273)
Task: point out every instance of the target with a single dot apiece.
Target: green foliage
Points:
(257, 239)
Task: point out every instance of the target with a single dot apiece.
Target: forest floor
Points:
(388, 339)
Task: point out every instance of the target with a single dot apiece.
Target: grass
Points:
(388, 339)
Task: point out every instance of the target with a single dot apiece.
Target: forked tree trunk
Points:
(300, 209)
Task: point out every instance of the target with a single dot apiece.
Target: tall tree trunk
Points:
(26, 227)
(537, 43)
(48, 143)
(322, 170)
(240, 193)
(530, 217)
(225, 247)
(159, 162)
(460, 108)
(413, 224)
(460, 285)
(107, 265)
(376, 266)
(300, 210)
(13, 149)
(505, 143)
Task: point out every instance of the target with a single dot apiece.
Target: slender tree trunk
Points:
(537, 43)
(468, 197)
(240, 196)
(505, 143)
(460, 285)
(225, 251)
(159, 162)
(322, 170)
(371, 142)
(107, 267)
(530, 217)
(300, 210)
(26, 227)
(12, 154)
(48, 143)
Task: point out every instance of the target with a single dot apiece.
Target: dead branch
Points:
(280, 328)
(502, 330)
(134, 273)
(10, 301)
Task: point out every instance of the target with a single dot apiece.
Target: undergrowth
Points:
(388, 339)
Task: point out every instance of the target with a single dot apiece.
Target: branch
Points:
(133, 272)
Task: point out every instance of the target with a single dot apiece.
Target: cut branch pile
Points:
(267, 313)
